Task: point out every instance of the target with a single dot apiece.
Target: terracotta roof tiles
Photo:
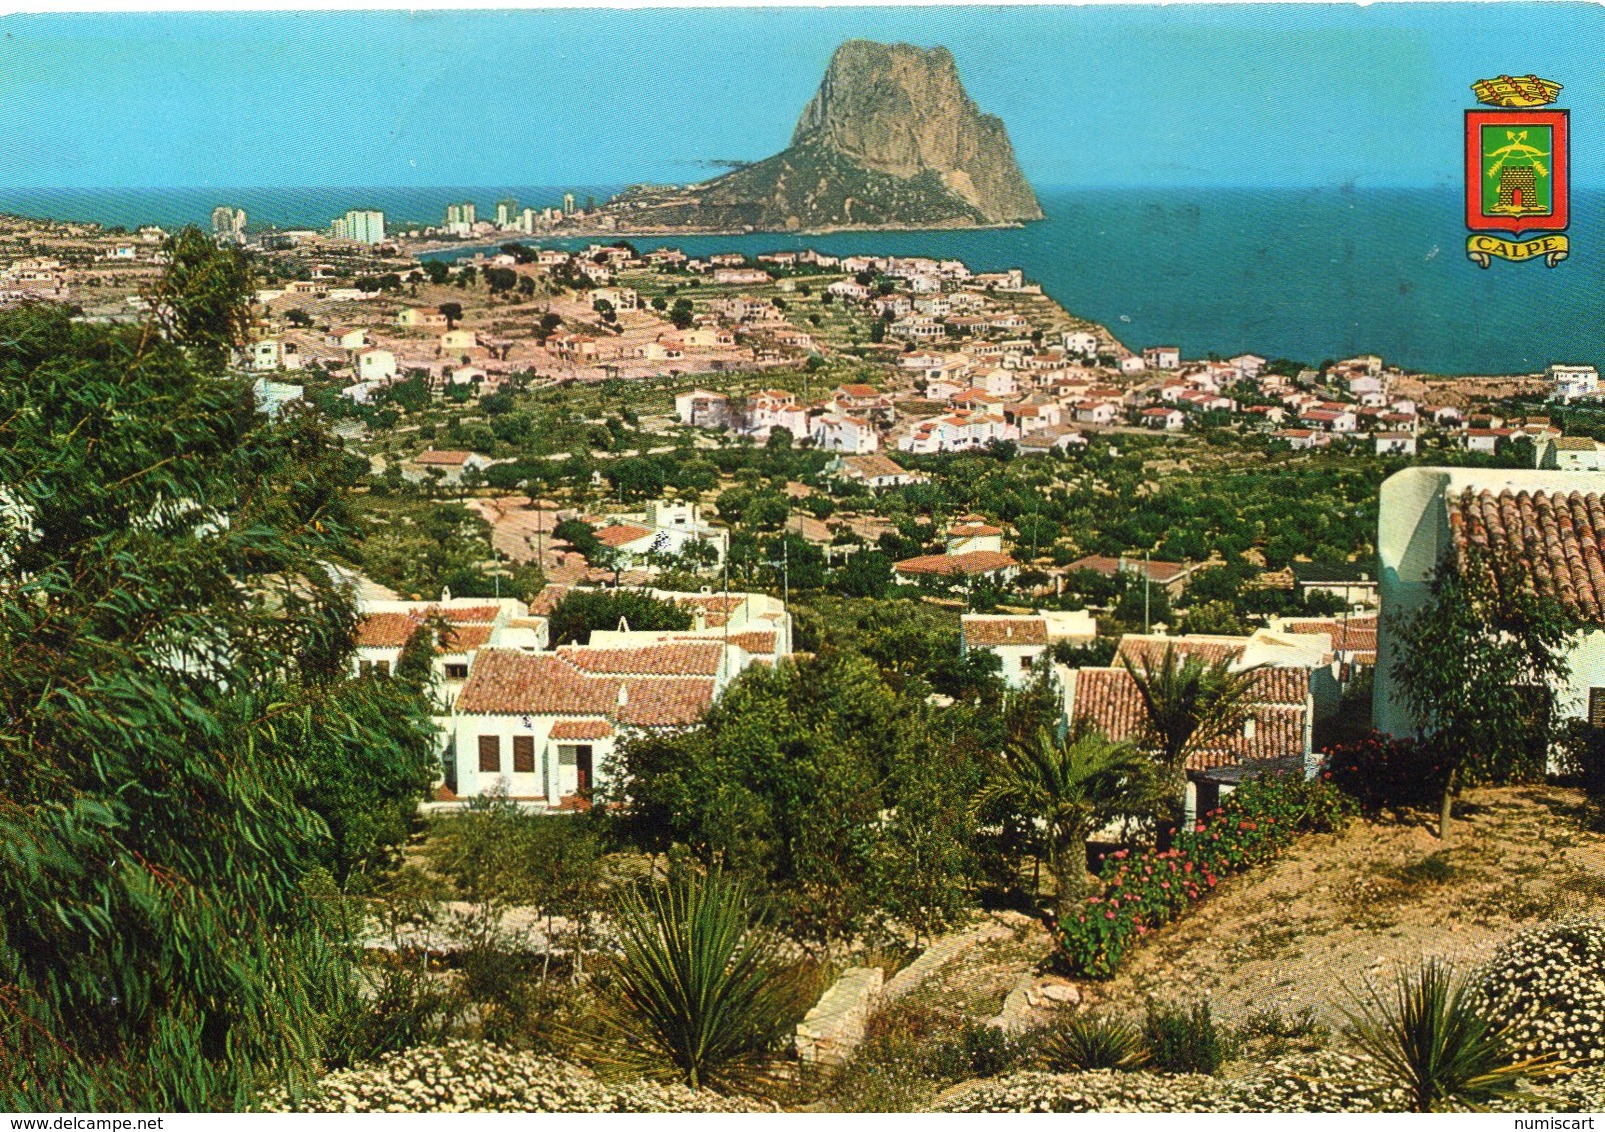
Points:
(681, 658)
(973, 562)
(572, 729)
(1150, 651)
(1554, 539)
(1356, 634)
(505, 682)
(1107, 700)
(757, 642)
(987, 632)
(385, 630)
(619, 534)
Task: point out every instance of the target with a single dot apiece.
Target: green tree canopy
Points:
(174, 664)
(582, 611)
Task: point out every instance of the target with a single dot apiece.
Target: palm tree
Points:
(1429, 1039)
(1068, 788)
(699, 994)
(1190, 705)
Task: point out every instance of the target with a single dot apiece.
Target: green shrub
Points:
(1183, 1041)
(1381, 772)
(1256, 824)
(990, 1051)
(502, 982)
(1085, 1042)
(407, 1008)
(1280, 1032)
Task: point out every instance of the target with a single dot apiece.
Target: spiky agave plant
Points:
(699, 993)
(1084, 1042)
(1427, 1036)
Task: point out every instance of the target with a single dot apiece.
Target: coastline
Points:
(434, 247)
(1305, 273)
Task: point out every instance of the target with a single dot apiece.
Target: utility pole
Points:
(1147, 585)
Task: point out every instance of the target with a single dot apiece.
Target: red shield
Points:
(1517, 171)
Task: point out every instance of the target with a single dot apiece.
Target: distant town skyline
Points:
(1253, 96)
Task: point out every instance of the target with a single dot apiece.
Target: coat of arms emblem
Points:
(1517, 169)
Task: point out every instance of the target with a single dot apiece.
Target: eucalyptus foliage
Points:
(173, 673)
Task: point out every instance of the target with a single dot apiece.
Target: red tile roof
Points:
(464, 614)
(756, 642)
(505, 682)
(581, 729)
(442, 457)
(984, 632)
(716, 608)
(973, 562)
(620, 533)
(675, 659)
(1097, 563)
(1554, 539)
(1356, 634)
(463, 638)
(1107, 700)
(385, 630)
(1139, 650)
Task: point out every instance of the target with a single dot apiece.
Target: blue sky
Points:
(1118, 96)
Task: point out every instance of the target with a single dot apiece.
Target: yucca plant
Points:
(699, 993)
(1094, 1041)
(1426, 1036)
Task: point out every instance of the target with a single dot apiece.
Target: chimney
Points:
(624, 695)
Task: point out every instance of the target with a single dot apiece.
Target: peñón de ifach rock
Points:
(890, 139)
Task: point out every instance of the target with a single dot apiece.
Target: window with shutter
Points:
(490, 754)
(1596, 707)
(523, 754)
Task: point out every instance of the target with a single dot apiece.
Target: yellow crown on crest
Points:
(1524, 90)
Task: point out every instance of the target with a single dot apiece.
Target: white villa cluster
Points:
(538, 724)
(1302, 667)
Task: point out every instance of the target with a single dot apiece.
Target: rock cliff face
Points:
(902, 111)
(891, 138)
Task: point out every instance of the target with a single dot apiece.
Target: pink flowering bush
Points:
(1146, 889)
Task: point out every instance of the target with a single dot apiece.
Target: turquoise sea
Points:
(1306, 274)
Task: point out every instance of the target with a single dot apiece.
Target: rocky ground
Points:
(1297, 937)
(474, 1077)
(1340, 909)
